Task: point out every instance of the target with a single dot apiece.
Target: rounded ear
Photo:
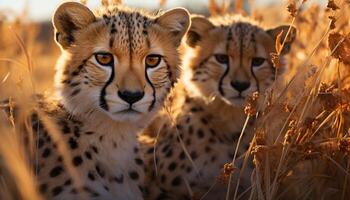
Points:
(274, 32)
(199, 27)
(177, 21)
(68, 18)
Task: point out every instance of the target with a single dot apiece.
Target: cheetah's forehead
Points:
(241, 38)
(128, 30)
(241, 33)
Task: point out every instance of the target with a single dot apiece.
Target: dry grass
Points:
(302, 140)
(303, 153)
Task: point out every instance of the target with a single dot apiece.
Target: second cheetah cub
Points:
(228, 59)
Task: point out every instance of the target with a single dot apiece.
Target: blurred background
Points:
(41, 10)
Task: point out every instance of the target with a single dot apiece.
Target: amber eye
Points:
(257, 61)
(153, 60)
(104, 58)
(221, 58)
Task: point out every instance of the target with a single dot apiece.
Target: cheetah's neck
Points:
(116, 140)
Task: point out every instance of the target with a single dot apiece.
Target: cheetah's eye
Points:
(104, 58)
(257, 61)
(153, 60)
(221, 58)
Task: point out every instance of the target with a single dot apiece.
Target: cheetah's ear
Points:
(288, 41)
(199, 27)
(68, 18)
(177, 21)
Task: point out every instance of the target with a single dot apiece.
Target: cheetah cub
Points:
(228, 59)
(116, 69)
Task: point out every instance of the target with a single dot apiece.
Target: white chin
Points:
(126, 116)
(237, 102)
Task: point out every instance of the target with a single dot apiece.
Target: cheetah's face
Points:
(122, 63)
(232, 60)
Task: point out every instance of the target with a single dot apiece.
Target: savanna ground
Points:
(302, 138)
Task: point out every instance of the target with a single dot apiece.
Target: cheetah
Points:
(116, 69)
(228, 59)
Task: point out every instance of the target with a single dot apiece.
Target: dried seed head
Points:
(333, 20)
(287, 108)
(292, 9)
(331, 5)
(343, 49)
(288, 136)
(275, 60)
(251, 107)
(292, 123)
(326, 88)
(225, 173)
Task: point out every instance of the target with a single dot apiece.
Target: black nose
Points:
(130, 97)
(240, 86)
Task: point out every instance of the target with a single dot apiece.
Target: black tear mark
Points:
(103, 102)
(153, 91)
(256, 80)
(253, 40)
(229, 38)
(222, 79)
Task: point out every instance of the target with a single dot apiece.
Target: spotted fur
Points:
(90, 118)
(206, 110)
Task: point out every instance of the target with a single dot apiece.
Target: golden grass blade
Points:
(235, 155)
(15, 163)
(5, 78)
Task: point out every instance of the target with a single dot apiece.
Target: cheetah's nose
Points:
(130, 97)
(240, 86)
